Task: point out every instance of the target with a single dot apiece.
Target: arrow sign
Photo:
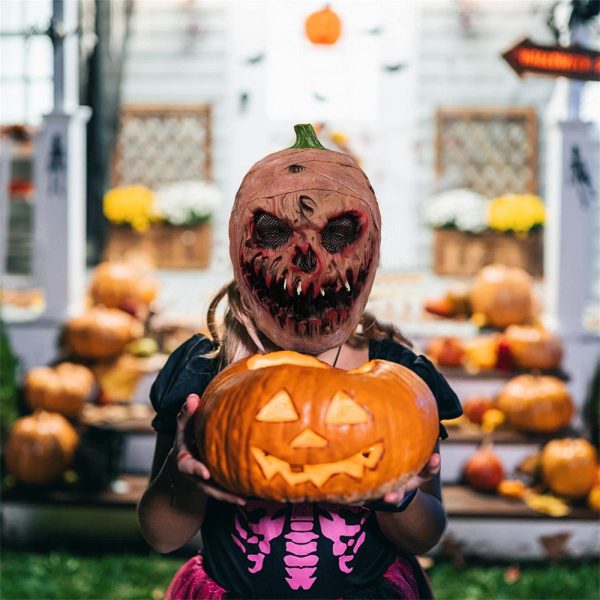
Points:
(575, 62)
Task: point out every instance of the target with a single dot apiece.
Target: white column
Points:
(60, 152)
(572, 213)
(59, 229)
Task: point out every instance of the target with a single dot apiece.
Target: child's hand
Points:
(194, 471)
(429, 471)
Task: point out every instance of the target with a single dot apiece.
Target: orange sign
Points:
(575, 62)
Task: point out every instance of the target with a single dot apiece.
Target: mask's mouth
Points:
(299, 306)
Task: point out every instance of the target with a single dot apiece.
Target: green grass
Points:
(563, 581)
(63, 576)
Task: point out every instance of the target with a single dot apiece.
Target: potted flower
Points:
(471, 231)
(171, 226)
(184, 238)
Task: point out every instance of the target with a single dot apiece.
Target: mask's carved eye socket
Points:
(295, 168)
(269, 231)
(340, 232)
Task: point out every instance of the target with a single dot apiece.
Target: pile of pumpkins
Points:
(519, 347)
(567, 468)
(41, 446)
(501, 298)
(530, 403)
(498, 297)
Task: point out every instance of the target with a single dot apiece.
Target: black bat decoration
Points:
(394, 68)
(254, 60)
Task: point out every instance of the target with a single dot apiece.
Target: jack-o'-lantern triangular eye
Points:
(279, 409)
(343, 410)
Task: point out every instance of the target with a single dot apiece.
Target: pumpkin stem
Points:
(306, 137)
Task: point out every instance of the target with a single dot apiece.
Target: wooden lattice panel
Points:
(162, 144)
(491, 151)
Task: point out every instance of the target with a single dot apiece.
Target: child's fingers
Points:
(395, 496)
(222, 495)
(188, 465)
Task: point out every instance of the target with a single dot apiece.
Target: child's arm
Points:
(420, 526)
(172, 508)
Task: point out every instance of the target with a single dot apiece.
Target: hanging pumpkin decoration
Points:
(536, 403)
(569, 466)
(40, 447)
(503, 295)
(63, 389)
(484, 471)
(288, 427)
(533, 347)
(101, 332)
(119, 285)
(323, 27)
(304, 237)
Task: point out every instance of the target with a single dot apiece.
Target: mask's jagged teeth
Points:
(352, 276)
(322, 292)
(284, 284)
(347, 286)
(299, 288)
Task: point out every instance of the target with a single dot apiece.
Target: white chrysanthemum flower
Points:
(460, 208)
(187, 202)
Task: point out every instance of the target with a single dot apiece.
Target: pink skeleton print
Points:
(259, 523)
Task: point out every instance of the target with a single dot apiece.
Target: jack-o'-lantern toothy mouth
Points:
(306, 309)
(319, 473)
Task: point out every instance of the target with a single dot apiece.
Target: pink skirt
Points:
(192, 583)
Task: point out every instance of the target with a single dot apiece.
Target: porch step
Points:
(479, 524)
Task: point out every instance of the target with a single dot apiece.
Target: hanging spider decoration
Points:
(580, 178)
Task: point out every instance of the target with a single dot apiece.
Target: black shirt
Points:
(274, 550)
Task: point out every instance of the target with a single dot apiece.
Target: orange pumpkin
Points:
(40, 447)
(288, 427)
(63, 389)
(323, 27)
(475, 407)
(484, 470)
(533, 347)
(593, 498)
(503, 295)
(119, 285)
(536, 403)
(512, 488)
(101, 332)
(446, 351)
(569, 466)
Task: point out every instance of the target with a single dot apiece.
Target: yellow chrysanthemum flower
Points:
(131, 205)
(516, 212)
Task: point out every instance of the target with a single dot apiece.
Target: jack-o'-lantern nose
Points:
(306, 262)
(308, 438)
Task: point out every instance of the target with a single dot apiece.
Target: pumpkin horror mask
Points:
(304, 242)
(287, 427)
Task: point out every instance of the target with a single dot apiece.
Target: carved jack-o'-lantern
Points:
(288, 427)
(304, 242)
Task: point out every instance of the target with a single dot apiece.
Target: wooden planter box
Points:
(165, 246)
(459, 253)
